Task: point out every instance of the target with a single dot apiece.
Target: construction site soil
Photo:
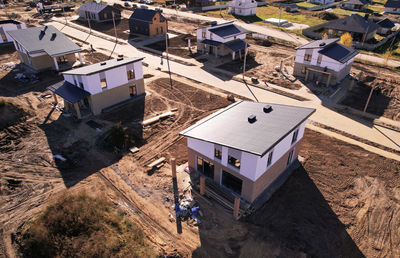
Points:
(342, 201)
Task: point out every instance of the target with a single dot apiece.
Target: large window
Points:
(3, 37)
(205, 167)
(232, 182)
(203, 35)
(319, 59)
(269, 162)
(295, 134)
(290, 158)
(218, 154)
(131, 74)
(234, 162)
(103, 83)
(307, 57)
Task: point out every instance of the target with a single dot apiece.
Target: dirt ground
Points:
(350, 211)
(122, 27)
(177, 46)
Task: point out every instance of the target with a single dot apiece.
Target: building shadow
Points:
(84, 149)
(248, 19)
(296, 222)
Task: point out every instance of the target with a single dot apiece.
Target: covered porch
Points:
(236, 48)
(67, 61)
(76, 100)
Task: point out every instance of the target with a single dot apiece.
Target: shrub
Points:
(83, 226)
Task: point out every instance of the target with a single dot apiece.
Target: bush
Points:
(83, 226)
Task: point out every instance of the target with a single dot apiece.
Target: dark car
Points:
(126, 4)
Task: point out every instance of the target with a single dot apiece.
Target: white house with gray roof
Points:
(222, 39)
(9, 25)
(325, 61)
(392, 6)
(98, 87)
(247, 146)
(243, 7)
(45, 47)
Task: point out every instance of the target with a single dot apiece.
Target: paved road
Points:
(323, 114)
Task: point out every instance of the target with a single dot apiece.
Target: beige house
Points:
(42, 48)
(94, 88)
(248, 147)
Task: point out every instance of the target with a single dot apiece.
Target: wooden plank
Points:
(134, 149)
(155, 163)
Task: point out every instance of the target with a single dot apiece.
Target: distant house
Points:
(321, 2)
(361, 28)
(243, 7)
(222, 39)
(325, 61)
(247, 147)
(147, 22)
(385, 26)
(290, 8)
(45, 47)
(199, 3)
(98, 12)
(8, 25)
(93, 88)
(356, 5)
(392, 6)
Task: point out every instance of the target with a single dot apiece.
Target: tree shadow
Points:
(84, 148)
(296, 221)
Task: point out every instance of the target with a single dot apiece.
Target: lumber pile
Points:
(157, 163)
(157, 118)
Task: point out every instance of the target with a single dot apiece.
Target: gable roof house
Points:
(147, 22)
(8, 25)
(242, 7)
(253, 153)
(325, 61)
(321, 2)
(356, 5)
(199, 3)
(41, 48)
(222, 39)
(361, 28)
(97, 87)
(392, 6)
(98, 12)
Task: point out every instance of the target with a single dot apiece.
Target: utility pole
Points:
(166, 51)
(115, 28)
(244, 59)
(280, 15)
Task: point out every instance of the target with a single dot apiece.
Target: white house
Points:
(392, 6)
(356, 5)
(242, 7)
(325, 61)
(9, 25)
(321, 2)
(246, 146)
(99, 86)
(222, 39)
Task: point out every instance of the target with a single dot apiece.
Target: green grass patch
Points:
(266, 12)
(83, 226)
(305, 4)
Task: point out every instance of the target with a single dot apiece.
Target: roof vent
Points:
(45, 28)
(252, 119)
(214, 23)
(103, 63)
(322, 44)
(53, 36)
(120, 55)
(267, 108)
(120, 58)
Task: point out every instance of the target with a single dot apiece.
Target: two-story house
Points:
(392, 6)
(242, 7)
(325, 61)
(9, 25)
(222, 39)
(321, 2)
(41, 48)
(99, 86)
(147, 22)
(246, 146)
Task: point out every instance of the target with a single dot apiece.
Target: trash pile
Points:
(24, 77)
(8, 66)
(187, 209)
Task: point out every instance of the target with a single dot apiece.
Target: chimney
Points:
(366, 16)
(252, 119)
(267, 108)
(45, 28)
(53, 36)
(120, 58)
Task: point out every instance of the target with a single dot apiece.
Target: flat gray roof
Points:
(230, 126)
(102, 66)
(45, 38)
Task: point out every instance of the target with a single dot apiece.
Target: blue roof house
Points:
(222, 39)
(325, 61)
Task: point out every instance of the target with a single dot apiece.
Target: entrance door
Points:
(211, 50)
(232, 182)
(132, 91)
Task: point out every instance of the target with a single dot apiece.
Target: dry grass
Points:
(83, 226)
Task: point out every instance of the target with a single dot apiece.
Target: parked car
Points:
(135, 6)
(144, 7)
(159, 10)
(149, 2)
(126, 4)
(142, 1)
